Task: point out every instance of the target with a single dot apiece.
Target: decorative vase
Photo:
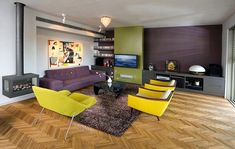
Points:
(109, 84)
(109, 80)
(151, 67)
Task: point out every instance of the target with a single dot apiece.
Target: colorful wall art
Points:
(63, 54)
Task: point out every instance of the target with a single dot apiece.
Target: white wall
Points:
(230, 22)
(43, 35)
(7, 42)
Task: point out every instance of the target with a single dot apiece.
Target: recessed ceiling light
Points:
(64, 17)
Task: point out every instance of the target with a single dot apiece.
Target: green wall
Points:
(129, 40)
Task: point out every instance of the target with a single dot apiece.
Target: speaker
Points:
(215, 70)
(99, 61)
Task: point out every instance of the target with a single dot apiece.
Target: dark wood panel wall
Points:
(192, 45)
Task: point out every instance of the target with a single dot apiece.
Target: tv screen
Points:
(126, 61)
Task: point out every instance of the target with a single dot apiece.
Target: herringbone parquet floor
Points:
(191, 121)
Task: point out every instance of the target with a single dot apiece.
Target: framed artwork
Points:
(62, 53)
(172, 65)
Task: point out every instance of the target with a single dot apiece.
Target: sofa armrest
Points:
(100, 74)
(97, 72)
(51, 83)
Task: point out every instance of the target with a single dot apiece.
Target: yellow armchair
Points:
(158, 88)
(63, 102)
(163, 83)
(151, 102)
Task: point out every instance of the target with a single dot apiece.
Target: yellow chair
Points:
(158, 88)
(163, 83)
(63, 102)
(151, 102)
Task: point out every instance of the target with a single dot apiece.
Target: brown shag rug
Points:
(109, 114)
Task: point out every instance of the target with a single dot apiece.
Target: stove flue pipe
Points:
(19, 38)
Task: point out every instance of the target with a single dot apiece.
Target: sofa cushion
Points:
(51, 83)
(75, 86)
(78, 80)
(82, 71)
(85, 79)
(61, 74)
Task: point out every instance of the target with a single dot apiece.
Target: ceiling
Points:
(147, 13)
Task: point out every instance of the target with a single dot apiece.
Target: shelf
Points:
(104, 67)
(104, 56)
(193, 87)
(104, 40)
(104, 49)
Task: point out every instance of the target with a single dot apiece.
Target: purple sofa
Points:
(70, 78)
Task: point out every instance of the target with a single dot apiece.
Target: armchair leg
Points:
(158, 118)
(71, 121)
(38, 117)
(132, 109)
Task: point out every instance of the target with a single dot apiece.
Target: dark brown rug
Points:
(109, 114)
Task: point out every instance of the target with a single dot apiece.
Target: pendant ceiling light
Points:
(105, 20)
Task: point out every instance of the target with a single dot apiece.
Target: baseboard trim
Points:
(17, 100)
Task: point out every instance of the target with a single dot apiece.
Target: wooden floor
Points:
(191, 121)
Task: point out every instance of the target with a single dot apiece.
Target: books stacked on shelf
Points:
(104, 50)
(104, 40)
(98, 54)
(104, 47)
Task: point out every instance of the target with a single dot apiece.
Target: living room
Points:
(166, 39)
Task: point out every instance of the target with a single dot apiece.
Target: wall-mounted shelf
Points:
(100, 56)
(104, 40)
(104, 50)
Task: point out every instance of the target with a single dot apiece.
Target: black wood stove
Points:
(19, 84)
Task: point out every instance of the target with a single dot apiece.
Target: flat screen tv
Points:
(126, 60)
